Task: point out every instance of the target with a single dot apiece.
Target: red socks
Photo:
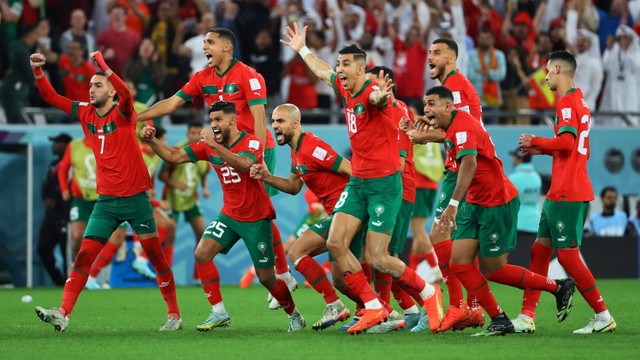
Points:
(578, 270)
(89, 250)
(105, 256)
(414, 261)
(210, 280)
(443, 250)
(164, 275)
(357, 282)
(168, 253)
(366, 269)
(402, 298)
(522, 278)
(317, 278)
(281, 293)
(382, 285)
(540, 258)
(412, 283)
(278, 250)
(477, 287)
(431, 258)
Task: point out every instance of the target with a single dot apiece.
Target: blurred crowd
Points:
(157, 45)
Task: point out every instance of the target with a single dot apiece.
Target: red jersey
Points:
(489, 187)
(121, 171)
(244, 199)
(75, 79)
(372, 132)
(423, 182)
(406, 151)
(316, 163)
(465, 98)
(240, 84)
(570, 181)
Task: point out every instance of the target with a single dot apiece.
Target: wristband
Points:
(454, 203)
(38, 73)
(304, 52)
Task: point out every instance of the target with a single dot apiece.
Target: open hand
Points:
(295, 39)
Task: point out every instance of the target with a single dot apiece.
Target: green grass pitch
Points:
(123, 324)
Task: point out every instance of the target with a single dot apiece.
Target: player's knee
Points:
(268, 281)
(337, 246)
(201, 256)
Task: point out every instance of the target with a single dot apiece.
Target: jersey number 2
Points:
(582, 149)
(229, 175)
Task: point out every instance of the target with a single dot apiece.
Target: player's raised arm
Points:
(292, 185)
(168, 154)
(162, 108)
(126, 100)
(296, 40)
(47, 91)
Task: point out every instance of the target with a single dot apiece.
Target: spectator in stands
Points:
(137, 14)
(324, 51)
(265, 58)
(515, 85)
(588, 17)
(517, 31)
(10, 12)
(53, 230)
(193, 46)
(610, 19)
(117, 43)
(540, 95)
(78, 32)
(409, 63)
(558, 35)
(147, 72)
(621, 63)
(487, 68)
(611, 221)
(590, 73)
(75, 71)
(529, 184)
(18, 82)
(634, 222)
(480, 17)
(302, 84)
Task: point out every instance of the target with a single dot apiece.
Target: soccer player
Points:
(442, 61)
(246, 213)
(384, 284)
(372, 197)
(487, 221)
(565, 209)
(181, 190)
(228, 79)
(325, 172)
(122, 184)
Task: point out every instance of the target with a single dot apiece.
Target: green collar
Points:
(233, 62)
(453, 116)
(364, 86)
(299, 142)
(570, 91)
(242, 134)
(107, 113)
(452, 72)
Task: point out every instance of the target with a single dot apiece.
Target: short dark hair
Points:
(226, 34)
(564, 56)
(160, 131)
(354, 49)
(442, 92)
(607, 189)
(195, 123)
(227, 107)
(387, 71)
(452, 45)
(100, 73)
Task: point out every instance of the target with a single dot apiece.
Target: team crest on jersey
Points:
(379, 210)
(262, 247)
(230, 89)
(560, 226)
(358, 109)
(494, 237)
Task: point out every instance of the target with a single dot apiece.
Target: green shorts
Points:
(189, 215)
(270, 161)
(374, 201)
(562, 222)
(257, 236)
(495, 228)
(448, 185)
(322, 228)
(425, 199)
(110, 211)
(80, 209)
(399, 236)
(307, 221)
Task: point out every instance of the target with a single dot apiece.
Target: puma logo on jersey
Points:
(146, 225)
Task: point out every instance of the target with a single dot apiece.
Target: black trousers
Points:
(53, 232)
